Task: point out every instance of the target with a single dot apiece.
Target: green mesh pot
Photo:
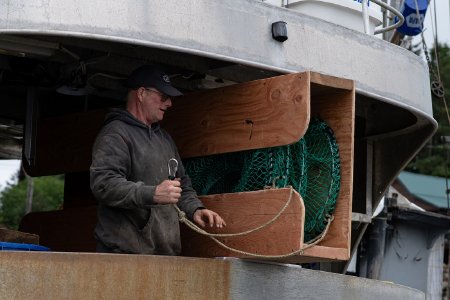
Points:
(311, 166)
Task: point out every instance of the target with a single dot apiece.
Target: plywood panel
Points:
(13, 236)
(64, 144)
(64, 230)
(258, 114)
(245, 211)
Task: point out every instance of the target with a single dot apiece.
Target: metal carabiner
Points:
(172, 165)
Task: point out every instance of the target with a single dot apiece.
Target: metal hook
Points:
(172, 165)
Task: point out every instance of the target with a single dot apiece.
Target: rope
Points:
(183, 219)
(213, 236)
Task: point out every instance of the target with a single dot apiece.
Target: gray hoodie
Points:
(129, 159)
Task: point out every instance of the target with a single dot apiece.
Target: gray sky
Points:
(443, 22)
(7, 169)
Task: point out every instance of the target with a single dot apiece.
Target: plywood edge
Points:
(313, 254)
(328, 252)
(332, 81)
(319, 253)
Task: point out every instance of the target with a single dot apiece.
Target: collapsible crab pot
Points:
(311, 166)
(291, 130)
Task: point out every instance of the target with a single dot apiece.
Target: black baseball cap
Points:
(150, 76)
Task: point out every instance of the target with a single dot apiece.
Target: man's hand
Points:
(168, 191)
(206, 216)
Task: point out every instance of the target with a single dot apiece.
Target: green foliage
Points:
(433, 159)
(48, 194)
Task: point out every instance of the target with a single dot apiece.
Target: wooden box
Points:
(260, 114)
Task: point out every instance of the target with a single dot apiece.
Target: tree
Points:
(434, 158)
(48, 195)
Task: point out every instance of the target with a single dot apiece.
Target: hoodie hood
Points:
(126, 117)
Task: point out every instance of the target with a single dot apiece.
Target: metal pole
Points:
(30, 189)
(446, 179)
(392, 10)
(385, 20)
(447, 241)
(364, 4)
(377, 242)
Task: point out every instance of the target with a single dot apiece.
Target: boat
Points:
(62, 64)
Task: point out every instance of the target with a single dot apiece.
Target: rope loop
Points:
(214, 236)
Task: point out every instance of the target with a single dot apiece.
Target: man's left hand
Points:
(205, 216)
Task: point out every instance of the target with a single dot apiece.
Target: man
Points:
(129, 174)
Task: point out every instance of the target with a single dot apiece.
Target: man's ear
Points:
(140, 94)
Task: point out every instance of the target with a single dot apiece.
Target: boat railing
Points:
(386, 6)
(341, 10)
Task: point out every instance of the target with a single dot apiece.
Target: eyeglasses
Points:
(164, 97)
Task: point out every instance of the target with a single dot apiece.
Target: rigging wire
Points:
(435, 35)
(437, 86)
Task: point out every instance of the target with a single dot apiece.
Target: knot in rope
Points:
(181, 215)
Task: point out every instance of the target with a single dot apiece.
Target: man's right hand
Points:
(168, 191)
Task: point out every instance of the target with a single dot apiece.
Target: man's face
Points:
(154, 105)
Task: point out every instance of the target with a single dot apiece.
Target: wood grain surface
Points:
(245, 211)
(258, 114)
